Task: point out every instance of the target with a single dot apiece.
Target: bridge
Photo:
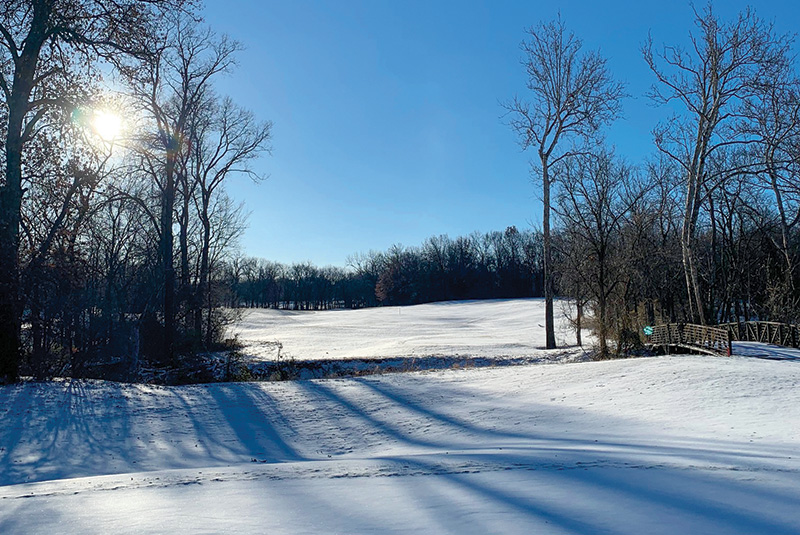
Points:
(702, 338)
(753, 338)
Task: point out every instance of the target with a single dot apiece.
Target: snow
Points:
(765, 351)
(491, 328)
(662, 445)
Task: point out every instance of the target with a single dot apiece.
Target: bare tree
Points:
(656, 261)
(722, 69)
(225, 139)
(596, 197)
(571, 96)
(172, 88)
(774, 120)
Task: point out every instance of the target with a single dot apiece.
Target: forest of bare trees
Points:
(111, 234)
(117, 246)
(704, 232)
(479, 266)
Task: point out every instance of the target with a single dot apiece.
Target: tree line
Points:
(479, 266)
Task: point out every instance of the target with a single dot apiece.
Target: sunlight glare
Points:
(107, 125)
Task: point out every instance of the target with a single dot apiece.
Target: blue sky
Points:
(387, 122)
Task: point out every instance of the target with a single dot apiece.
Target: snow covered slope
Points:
(681, 444)
(493, 328)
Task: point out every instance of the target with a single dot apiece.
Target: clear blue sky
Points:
(387, 123)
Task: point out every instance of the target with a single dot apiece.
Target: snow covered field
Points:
(492, 328)
(678, 444)
(423, 337)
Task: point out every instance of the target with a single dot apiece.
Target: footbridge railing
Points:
(717, 339)
(768, 332)
(711, 340)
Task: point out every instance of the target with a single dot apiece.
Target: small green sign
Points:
(648, 330)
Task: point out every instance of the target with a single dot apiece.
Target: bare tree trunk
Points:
(687, 251)
(199, 300)
(789, 279)
(10, 307)
(209, 315)
(602, 329)
(183, 243)
(602, 301)
(167, 206)
(692, 284)
(203, 282)
(717, 271)
(548, 258)
(11, 193)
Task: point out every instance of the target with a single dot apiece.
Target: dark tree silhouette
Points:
(39, 39)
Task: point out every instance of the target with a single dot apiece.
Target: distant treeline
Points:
(479, 266)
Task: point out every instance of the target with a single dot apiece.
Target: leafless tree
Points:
(774, 121)
(172, 88)
(224, 139)
(597, 195)
(40, 43)
(571, 95)
(724, 67)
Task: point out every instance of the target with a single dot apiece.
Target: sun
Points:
(107, 125)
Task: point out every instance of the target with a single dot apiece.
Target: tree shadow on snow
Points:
(545, 472)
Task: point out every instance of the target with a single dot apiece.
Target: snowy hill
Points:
(491, 328)
(680, 444)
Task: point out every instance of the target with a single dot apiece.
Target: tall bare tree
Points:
(774, 120)
(571, 95)
(172, 88)
(725, 66)
(225, 139)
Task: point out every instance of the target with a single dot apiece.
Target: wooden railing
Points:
(714, 340)
(717, 339)
(768, 332)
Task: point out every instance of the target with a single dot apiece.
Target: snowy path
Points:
(765, 351)
(662, 445)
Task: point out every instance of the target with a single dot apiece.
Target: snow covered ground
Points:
(676, 444)
(492, 328)
(765, 351)
(433, 336)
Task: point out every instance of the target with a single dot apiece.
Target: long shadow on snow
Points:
(68, 427)
(321, 390)
(697, 498)
(77, 428)
(714, 453)
(16, 420)
(407, 402)
(620, 478)
(251, 414)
